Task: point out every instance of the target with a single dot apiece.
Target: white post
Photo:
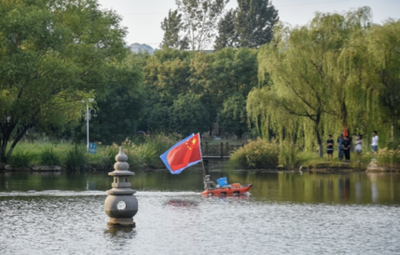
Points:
(87, 117)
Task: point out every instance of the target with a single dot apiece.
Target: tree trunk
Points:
(16, 140)
(319, 139)
(6, 134)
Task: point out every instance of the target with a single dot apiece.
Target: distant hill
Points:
(136, 47)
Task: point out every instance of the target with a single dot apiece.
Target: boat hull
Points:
(228, 190)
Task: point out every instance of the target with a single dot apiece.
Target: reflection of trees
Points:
(324, 188)
(288, 187)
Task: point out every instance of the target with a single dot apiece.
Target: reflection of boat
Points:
(234, 189)
(181, 203)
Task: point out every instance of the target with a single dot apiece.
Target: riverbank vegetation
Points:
(143, 153)
(341, 69)
(284, 88)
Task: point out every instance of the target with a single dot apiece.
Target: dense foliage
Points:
(218, 84)
(307, 82)
(251, 25)
(197, 21)
(259, 154)
(172, 27)
(53, 54)
(339, 69)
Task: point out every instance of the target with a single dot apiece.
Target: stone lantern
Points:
(120, 204)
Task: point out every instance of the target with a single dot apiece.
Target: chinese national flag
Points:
(183, 154)
(345, 132)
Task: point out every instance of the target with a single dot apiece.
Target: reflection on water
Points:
(187, 223)
(285, 213)
(358, 188)
(119, 237)
(180, 203)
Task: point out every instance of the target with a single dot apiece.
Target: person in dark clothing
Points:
(340, 140)
(346, 148)
(329, 147)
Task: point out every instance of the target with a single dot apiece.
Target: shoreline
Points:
(327, 167)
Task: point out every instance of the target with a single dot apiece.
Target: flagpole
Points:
(204, 170)
(202, 160)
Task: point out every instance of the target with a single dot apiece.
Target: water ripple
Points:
(67, 222)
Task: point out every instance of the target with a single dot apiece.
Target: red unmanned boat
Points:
(233, 189)
(223, 188)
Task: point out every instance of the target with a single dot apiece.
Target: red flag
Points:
(183, 154)
(345, 132)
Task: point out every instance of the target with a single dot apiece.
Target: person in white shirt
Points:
(374, 143)
(358, 148)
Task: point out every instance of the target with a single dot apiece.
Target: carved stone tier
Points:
(120, 205)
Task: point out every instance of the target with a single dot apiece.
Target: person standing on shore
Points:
(346, 148)
(358, 148)
(374, 143)
(340, 141)
(329, 147)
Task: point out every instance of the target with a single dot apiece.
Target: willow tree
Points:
(303, 88)
(372, 63)
(53, 54)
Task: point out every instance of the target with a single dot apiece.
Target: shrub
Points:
(108, 156)
(388, 157)
(76, 159)
(49, 157)
(259, 154)
(160, 142)
(20, 159)
(288, 155)
(147, 153)
(366, 157)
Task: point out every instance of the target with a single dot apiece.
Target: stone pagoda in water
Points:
(121, 205)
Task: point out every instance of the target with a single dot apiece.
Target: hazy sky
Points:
(143, 17)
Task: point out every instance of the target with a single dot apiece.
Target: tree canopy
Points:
(53, 55)
(338, 70)
(193, 24)
(302, 64)
(251, 25)
(173, 27)
(212, 77)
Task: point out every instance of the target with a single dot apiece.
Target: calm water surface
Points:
(285, 213)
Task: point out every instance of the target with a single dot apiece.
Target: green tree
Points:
(53, 54)
(217, 76)
(226, 31)
(120, 111)
(251, 25)
(304, 96)
(212, 77)
(233, 116)
(166, 75)
(188, 115)
(158, 119)
(371, 65)
(173, 26)
(200, 18)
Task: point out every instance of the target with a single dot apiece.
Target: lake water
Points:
(285, 213)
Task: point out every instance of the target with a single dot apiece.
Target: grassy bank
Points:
(143, 154)
(264, 154)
